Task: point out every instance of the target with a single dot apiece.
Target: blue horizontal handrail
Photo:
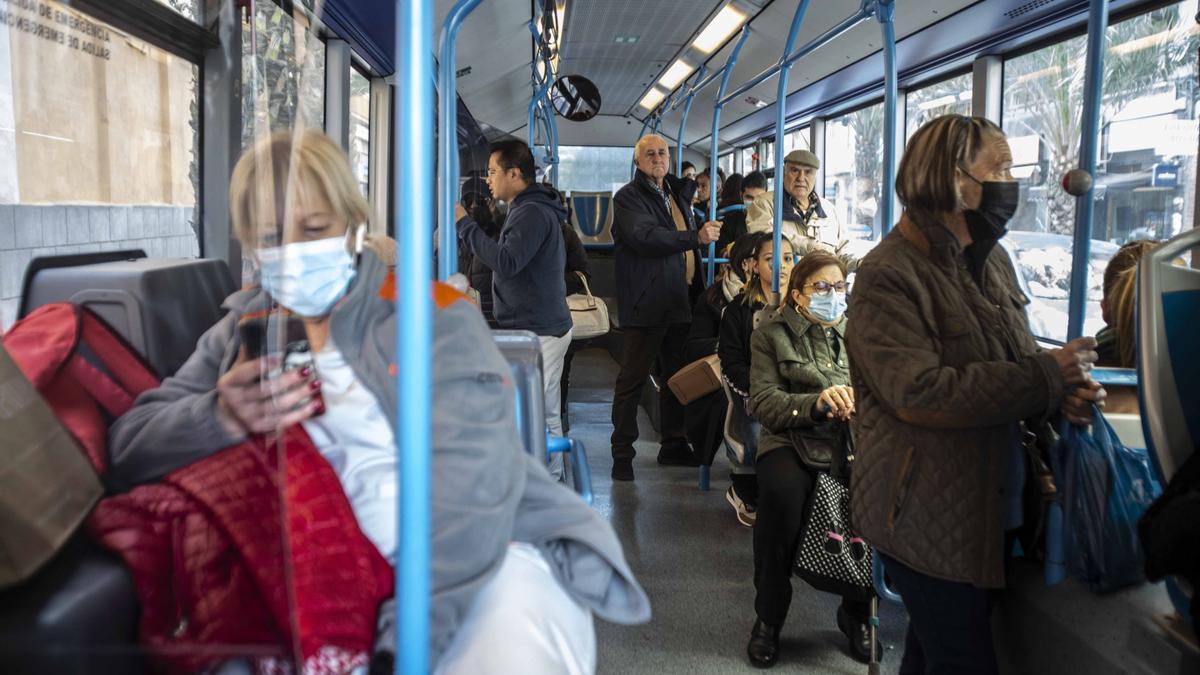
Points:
(1124, 377)
(581, 472)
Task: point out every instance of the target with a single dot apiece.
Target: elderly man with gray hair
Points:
(658, 272)
(809, 221)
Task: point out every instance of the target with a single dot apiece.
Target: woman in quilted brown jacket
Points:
(944, 370)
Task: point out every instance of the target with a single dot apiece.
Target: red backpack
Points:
(86, 372)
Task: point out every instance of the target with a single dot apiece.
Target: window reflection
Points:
(283, 73)
(360, 129)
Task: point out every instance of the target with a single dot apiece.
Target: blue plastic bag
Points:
(1105, 488)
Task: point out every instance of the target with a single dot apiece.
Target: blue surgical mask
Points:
(829, 307)
(307, 277)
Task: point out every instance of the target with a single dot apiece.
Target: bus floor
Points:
(695, 562)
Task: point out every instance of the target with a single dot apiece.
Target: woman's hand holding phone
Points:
(250, 402)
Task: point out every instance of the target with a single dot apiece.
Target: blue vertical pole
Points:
(884, 10)
(711, 264)
(785, 71)
(1085, 206)
(552, 125)
(413, 121)
(687, 109)
(448, 140)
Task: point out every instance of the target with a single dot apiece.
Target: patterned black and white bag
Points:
(831, 557)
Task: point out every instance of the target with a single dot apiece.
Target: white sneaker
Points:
(745, 513)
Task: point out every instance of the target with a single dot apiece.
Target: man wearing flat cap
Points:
(808, 220)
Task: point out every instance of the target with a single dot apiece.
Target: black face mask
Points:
(997, 205)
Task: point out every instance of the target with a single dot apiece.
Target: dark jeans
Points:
(949, 630)
(565, 382)
(784, 484)
(643, 348)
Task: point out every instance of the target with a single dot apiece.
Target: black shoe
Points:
(763, 649)
(679, 454)
(858, 635)
(622, 468)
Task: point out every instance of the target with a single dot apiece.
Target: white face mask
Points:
(308, 277)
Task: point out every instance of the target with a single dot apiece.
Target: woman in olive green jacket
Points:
(799, 377)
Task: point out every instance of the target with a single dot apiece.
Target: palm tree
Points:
(1044, 90)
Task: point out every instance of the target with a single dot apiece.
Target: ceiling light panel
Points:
(728, 20)
(677, 73)
(652, 98)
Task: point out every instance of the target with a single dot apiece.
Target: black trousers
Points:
(784, 485)
(565, 382)
(949, 630)
(644, 347)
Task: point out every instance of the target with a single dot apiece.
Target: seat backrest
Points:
(1168, 363)
(524, 355)
(161, 306)
(592, 217)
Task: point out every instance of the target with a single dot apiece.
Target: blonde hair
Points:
(287, 168)
(926, 183)
(1124, 293)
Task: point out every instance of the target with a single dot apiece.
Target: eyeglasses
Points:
(824, 287)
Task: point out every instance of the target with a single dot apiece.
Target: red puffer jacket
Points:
(212, 561)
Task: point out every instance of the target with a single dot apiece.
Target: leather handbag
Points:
(817, 444)
(831, 557)
(589, 314)
(697, 379)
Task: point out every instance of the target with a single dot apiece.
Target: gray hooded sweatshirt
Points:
(486, 490)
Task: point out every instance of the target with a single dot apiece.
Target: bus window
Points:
(1147, 164)
(98, 145)
(854, 173)
(941, 98)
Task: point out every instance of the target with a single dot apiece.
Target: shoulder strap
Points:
(124, 376)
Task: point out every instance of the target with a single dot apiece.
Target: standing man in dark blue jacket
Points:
(527, 262)
(658, 275)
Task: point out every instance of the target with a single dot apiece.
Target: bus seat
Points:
(161, 306)
(524, 355)
(77, 615)
(1168, 365)
(1167, 362)
(592, 217)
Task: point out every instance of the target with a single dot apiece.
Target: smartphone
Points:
(259, 340)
